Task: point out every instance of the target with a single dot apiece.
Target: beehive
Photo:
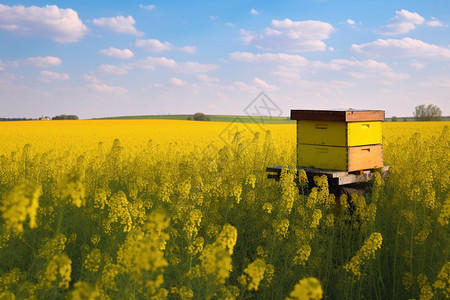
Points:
(339, 140)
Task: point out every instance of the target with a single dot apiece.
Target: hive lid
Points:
(338, 115)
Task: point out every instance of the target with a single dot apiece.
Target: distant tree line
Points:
(65, 117)
(199, 117)
(58, 117)
(427, 113)
(16, 119)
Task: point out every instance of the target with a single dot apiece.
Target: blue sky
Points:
(114, 58)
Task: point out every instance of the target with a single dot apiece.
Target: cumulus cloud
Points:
(369, 65)
(151, 63)
(264, 85)
(406, 47)
(48, 76)
(50, 21)
(350, 22)
(119, 53)
(177, 82)
(42, 62)
(153, 45)
(403, 22)
(195, 67)
(189, 49)
(115, 70)
(416, 64)
(104, 88)
(254, 11)
(147, 7)
(291, 36)
(118, 24)
(293, 60)
(434, 23)
(278, 58)
(91, 78)
(207, 79)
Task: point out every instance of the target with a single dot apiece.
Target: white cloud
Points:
(264, 85)
(437, 82)
(416, 64)
(350, 22)
(406, 47)
(91, 78)
(195, 67)
(150, 63)
(147, 7)
(60, 25)
(291, 36)
(153, 45)
(207, 79)
(50, 21)
(253, 11)
(278, 58)
(189, 49)
(118, 24)
(434, 23)
(115, 70)
(395, 76)
(47, 76)
(366, 65)
(293, 60)
(246, 88)
(177, 82)
(103, 88)
(42, 62)
(403, 22)
(114, 52)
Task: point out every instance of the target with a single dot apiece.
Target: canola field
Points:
(158, 209)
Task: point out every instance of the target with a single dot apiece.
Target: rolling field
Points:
(172, 209)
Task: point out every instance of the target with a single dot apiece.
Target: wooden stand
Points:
(335, 178)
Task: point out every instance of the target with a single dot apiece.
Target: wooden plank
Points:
(335, 177)
(338, 115)
(365, 157)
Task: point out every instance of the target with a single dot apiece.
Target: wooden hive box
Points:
(339, 140)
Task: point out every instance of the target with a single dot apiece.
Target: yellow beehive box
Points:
(339, 140)
(340, 158)
(339, 133)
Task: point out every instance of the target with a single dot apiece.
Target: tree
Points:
(394, 119)
(201, 117)
(427, 113)
(65, 117)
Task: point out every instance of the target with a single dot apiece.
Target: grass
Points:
(213, 118)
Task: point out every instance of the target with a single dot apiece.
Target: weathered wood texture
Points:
(338, 116)
(334, 177)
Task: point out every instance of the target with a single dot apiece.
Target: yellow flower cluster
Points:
(20, 204)
(308, 288)
(282, 228)
(444, 216)
(58, 271)
(93, 260)
(254, 273)
(443, 280)
(367, 252)
(303, 254)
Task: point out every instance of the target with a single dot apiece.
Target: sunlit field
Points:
(124, 209)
